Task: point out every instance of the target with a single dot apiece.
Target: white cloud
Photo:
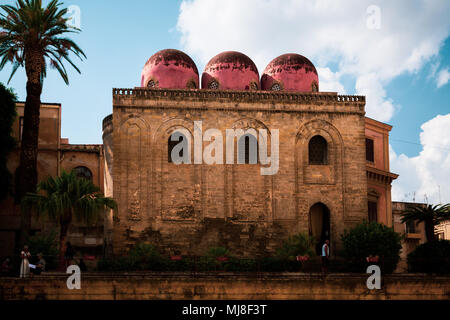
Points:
(325, 31)
(443, 77)
(329, 81)
(429, 172)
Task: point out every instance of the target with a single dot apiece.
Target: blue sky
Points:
(396, 65)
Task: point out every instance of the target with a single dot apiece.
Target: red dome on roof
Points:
(231, 70)
(290, 72)
(170, 69)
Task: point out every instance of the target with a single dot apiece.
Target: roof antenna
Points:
(439, 194)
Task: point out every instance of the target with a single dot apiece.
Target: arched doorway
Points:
(319, 224)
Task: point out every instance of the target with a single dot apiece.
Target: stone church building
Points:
(333, 168)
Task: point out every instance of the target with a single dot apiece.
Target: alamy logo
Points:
(252, 147)
(74, 280)
(374, 281)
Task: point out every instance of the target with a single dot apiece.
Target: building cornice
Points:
(381, 176)
(279, 96)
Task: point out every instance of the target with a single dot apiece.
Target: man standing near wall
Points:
(325, 256)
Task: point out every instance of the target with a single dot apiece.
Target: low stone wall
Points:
(227, 286)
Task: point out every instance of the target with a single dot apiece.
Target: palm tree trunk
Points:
(62, 245)
(26, 172)
(429, 230)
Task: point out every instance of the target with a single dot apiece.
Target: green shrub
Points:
(145, 257)
(431, 257)
(300, 244)
(371, 239)
(215, 252)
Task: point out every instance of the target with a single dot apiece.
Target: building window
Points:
(253, 85)
(171, 144)
(20, 128)
(248, 149)
(373, 211)
(314, 87)
(369, 150)
(410, 227)
(318, 150)
(214, 85)
(151, 83)
(83, 172)
(191, 84)
(276, 87)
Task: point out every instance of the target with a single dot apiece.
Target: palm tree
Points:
(61, 199)
(34, 37)
(431, 215)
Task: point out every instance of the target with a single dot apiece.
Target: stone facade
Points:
(192, 207)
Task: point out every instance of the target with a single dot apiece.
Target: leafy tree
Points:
(47, 244)
(374, 239)
(7, 143)
(431, 257)
(61, 199)
(431, 215)
(297, 245)
(34, 37)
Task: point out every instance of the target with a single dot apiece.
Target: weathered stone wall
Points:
(225, 287)
(193, 207)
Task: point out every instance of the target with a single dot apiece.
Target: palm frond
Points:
(57, 197)
(29, 27)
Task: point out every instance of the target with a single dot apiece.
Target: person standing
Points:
(25, 265)
(6, 267)
(325, 256)
(68, 255)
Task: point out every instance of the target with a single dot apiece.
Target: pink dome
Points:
(290, 72)
(170, 69)
(231, 70)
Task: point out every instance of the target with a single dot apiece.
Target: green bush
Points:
(374, 239)
(47, 244)
(215, 252)
(431, 257)
(146, 257)
(300, 244)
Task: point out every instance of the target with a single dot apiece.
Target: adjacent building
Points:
(54, 155)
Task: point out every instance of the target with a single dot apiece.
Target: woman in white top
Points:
(25, 265)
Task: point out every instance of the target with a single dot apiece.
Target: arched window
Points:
(191, 84)
(275, 87)
(314, 86)
(83, 172)
(253, 85)
(318, 150)
(151, 84)
(249, 145)
(214, 85)
(171, 144)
